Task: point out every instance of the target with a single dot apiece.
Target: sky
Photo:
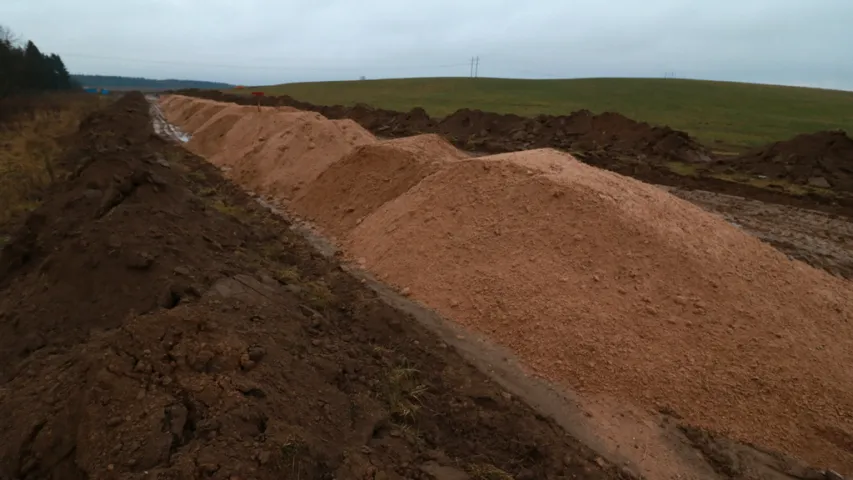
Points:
(260, 42)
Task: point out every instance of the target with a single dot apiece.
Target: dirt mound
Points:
(581, 131)
(231, 373)
(188, 110)
(822, 159)
(271, 151)
(87, 226)
(204, 115)
(358, 184)
(207, 139)
(617, 288)
(280, 153)
(494, 132)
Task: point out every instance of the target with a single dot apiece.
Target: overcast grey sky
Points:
(794, 42)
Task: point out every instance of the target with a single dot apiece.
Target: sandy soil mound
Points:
(143, 336)
(274, 150)
(208, 140)
(189, 110)
(204, 115)
(279, 153)
(616, 287)
(371, 175)
(172, 101)
(822, 159)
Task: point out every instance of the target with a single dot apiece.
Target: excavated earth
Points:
(617, 143)
(493, 132)
(157, 323)
(636, 300)
(821, 159)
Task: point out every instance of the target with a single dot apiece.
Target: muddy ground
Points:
(156, 322)
(820, 239)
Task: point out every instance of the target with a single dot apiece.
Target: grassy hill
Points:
(724, 115)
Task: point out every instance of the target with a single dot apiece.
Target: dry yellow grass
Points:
(29, 147)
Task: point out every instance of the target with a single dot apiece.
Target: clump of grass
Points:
(318, 294)
(31, 145)
(767, 183)
(207, 192)
(197, 175)
(683, 168)
(405, 392)
(295, 455)
(380, 350)
(487, 471)
(288, 275)
(226, 209)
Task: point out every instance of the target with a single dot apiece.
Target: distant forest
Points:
(24, 68)
(131, 83)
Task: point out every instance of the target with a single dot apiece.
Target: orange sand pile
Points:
(203, 115)
(275, 151)
(353, 187)
(617, 287)
(611, 286)
(183, 109)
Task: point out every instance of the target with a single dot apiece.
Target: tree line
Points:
(24, 68)
(134, 83)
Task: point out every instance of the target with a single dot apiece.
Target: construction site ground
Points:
(159, 320)
(374, 199)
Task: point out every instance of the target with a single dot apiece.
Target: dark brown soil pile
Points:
(99, 223)
(496, 133)
(157, 323)
(582, 131)
(822, 159)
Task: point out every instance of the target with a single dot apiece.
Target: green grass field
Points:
(725, 116)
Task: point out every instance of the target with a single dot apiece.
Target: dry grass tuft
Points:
(404, 392)
(30, 144)
(487, 472)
